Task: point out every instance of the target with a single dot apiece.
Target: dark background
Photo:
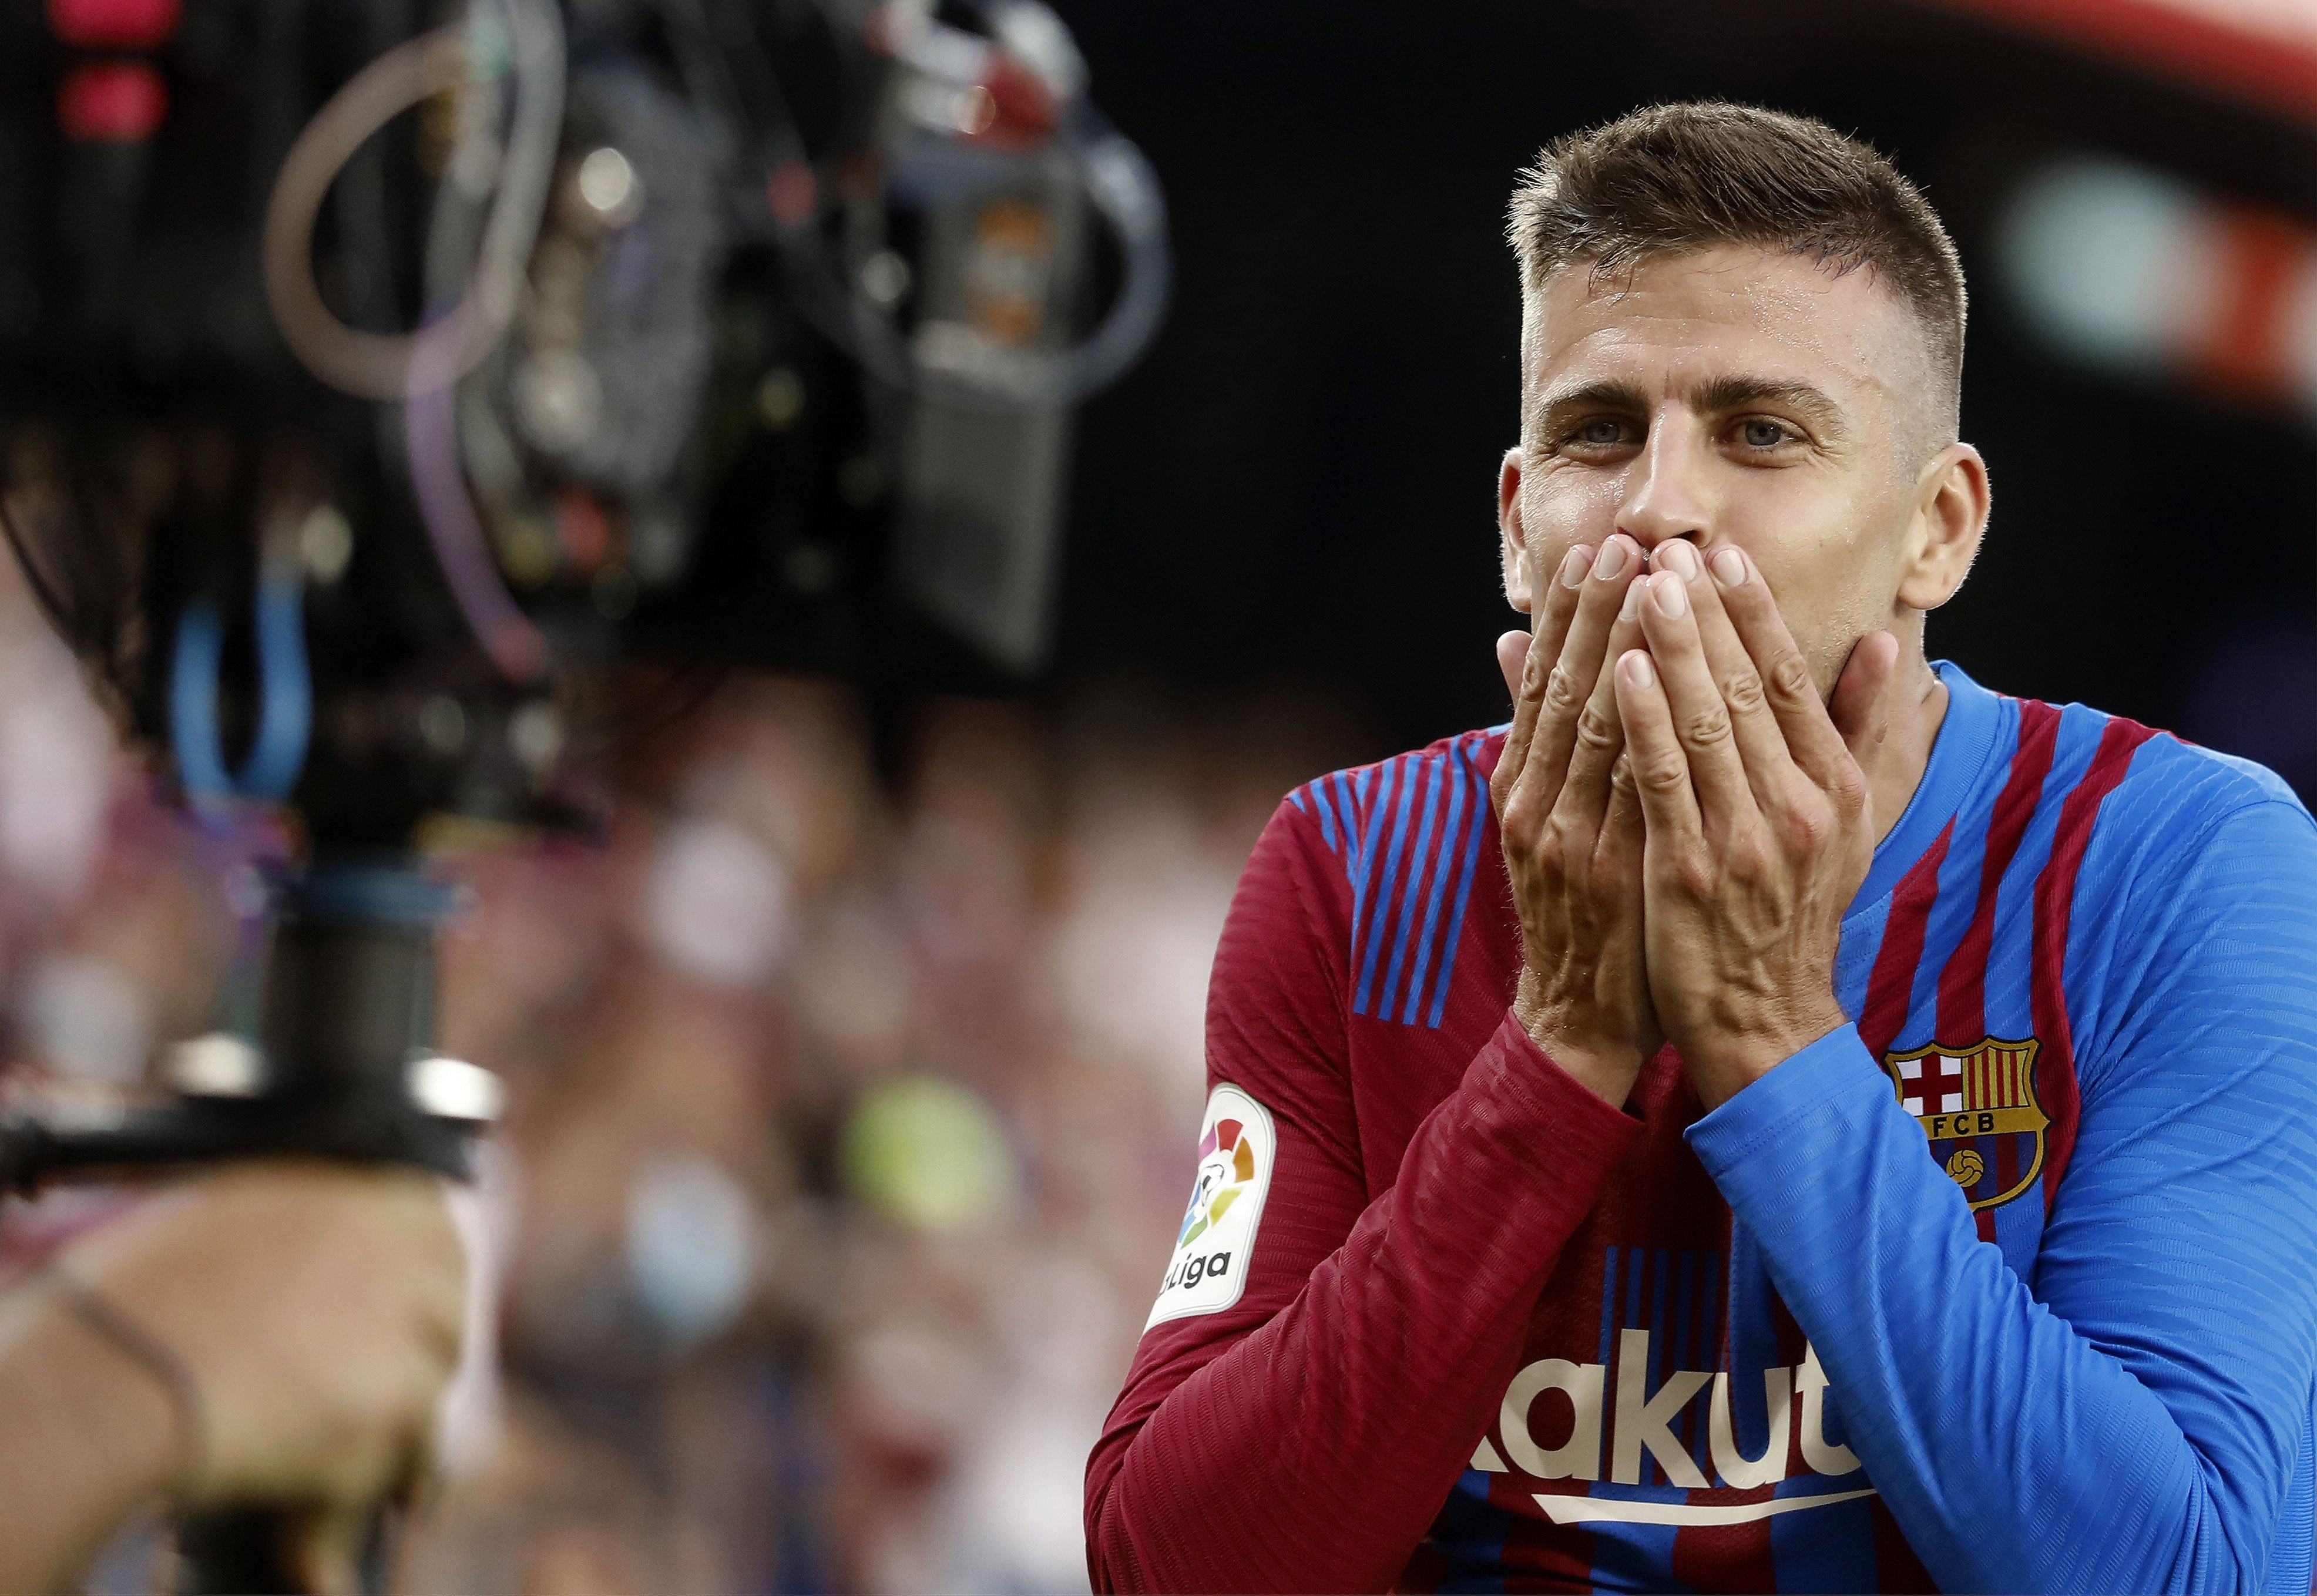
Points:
(1297, 484)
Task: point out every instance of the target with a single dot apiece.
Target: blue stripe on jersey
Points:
(1660, 1364)
(1371, 833)
(1470, 1535)
(1409, 893)
(1713, 1285)
(1753, 1335)
(1391, 795)
(1417, 860)
(1477, 828)
(1324, 809)
(1458, 782)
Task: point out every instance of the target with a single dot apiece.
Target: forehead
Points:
(1671, 323)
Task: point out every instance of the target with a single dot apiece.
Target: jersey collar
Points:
(1960, 755)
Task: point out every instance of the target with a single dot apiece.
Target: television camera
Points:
(397, 403)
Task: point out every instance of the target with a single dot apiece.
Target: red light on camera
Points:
(111, 103)
(114, 24)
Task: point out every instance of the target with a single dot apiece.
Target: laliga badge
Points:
(1207, 1269)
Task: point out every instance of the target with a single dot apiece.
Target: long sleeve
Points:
(1305, 1436)
(2132, 1418)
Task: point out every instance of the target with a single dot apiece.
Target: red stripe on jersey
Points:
(1891, 986)
(1538, 1554)
(2005, 1163)
(1982, 1220)
(1963, 983)
(2056, 899)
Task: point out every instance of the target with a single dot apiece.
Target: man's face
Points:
(1733, 395)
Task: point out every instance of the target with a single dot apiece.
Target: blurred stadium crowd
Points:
(849, 1118)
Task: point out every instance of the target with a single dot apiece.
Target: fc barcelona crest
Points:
(1977, 1104)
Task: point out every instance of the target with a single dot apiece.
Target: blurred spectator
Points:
(847, 1133)
(847, 1125)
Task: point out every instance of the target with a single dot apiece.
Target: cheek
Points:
(1831, 590)
(1562, 509)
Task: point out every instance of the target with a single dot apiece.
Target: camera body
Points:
(396, 404)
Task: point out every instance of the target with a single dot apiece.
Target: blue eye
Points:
(1764, 434)
(1601, 431)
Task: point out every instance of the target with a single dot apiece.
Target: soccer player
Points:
(1779, 1115)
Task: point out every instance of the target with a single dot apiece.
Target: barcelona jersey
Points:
(2009, 1284)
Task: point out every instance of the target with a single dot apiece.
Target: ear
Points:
(1515, 547)
(1951, 500)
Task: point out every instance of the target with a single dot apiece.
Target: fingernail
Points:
(1673, 598)
(1610, 563)
(1728, 567)
(1678, 557)
(1637, 667)
(1632, 607)
(1573, 569)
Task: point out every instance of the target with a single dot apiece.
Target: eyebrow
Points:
(1562, 404)
(1718, 396)
(1742, 391)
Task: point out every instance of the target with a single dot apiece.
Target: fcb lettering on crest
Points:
(1968, 1099)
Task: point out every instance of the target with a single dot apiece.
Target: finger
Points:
(1538, 652)
(1861, 709)
(1567, 689)
(1600, 736)
(1660, 766)
(1810, 737)
(1622, 824)
(1623, 816)
(1701, 720)
(1771, 773)
(1623, 849)
(1512, 655)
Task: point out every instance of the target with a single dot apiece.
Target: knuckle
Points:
(1551, 855)
(1848, 790)
(1695, 874)
(1790, 678)
(1707, 727)
(1661, 774)
(1809, 827)
(1742, 692)
(1517, 821)
(1561, 690)
(1621, 773)
(1598, 729)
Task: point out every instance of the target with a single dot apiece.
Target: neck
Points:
(1895, 766)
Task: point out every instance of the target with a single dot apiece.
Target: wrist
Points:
(1723, 1066)
(1604, 1067)
(88, 1435)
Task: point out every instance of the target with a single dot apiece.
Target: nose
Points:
(1667, 490)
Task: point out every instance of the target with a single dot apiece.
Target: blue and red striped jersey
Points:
(2009, 1285)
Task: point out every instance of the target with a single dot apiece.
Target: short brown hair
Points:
(1670, 179)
